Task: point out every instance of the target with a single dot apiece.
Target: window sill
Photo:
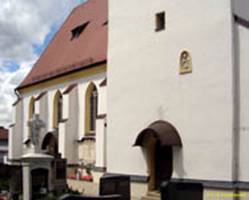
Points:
(12, 125)
(86, 138)
(185, 70)
(159, 29)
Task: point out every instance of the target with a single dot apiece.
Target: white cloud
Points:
(9, 81)
(24, 23)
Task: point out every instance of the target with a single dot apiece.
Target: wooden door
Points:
(163, 164)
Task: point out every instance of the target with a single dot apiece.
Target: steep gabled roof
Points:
(80, 43)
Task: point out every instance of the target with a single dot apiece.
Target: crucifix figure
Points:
(36, 124)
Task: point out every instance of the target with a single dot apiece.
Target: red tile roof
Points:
(64, 54)
(3, 133)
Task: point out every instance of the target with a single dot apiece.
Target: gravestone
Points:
(59, 168)
(180, 191)
(84, 197)
(110, 185)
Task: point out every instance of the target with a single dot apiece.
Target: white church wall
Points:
(13, 114)
(62, 126)
(37, 107)
(243, 63)
(101, 126)
(62, 130)
(72, 128)
(43, 113)
(102, 106)
(15, 134)
(89, 150)
(101, 143)
(62, 140)
(66, 106)
(144, 84)
(26, 103)
(82, 87)
(51, 94)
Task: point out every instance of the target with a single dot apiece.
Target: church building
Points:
(178, 100)
(66, 93)
(157, 91)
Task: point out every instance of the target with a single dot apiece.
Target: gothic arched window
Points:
(31, 113)
(58, 109)
(31, 107)
(91, 109)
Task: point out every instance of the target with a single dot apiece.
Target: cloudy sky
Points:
(26, 27)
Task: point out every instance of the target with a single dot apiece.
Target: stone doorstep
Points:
(150, 198)
(152, 195)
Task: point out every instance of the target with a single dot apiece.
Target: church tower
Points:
(177, 80)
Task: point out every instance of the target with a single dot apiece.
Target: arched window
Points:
(31, 113)
(31, 108)
(91, 109)
(57, 115)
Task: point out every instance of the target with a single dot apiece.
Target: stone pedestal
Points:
(26, 181)
(34, 162)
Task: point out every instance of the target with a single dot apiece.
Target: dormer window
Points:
(105, 23)
(76, 32)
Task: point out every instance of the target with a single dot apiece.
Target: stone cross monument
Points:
(36, 124)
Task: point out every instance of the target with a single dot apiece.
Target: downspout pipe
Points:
(17, 94)
(236, 104)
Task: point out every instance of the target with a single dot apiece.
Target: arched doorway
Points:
(50, 144)
(39, 181)
(158, 140)
(91, 106)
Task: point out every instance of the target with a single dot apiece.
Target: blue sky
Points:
(39, 48)
(12, 66)
(27, 26)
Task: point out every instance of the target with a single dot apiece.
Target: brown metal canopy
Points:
(163, 131)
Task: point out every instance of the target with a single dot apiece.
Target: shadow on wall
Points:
(179, 162)
(143, 150)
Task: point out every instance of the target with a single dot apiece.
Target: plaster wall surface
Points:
(43, 113)
(101, 143)
(70, 130)
(144, 84)
(242, 65)
(16, 133)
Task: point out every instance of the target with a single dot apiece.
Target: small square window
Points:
(160, 21)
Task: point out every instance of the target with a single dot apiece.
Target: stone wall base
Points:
(139, 190)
